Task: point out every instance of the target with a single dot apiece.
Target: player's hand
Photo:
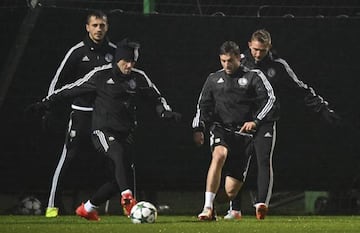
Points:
(248, 127)
(37, 109)
(45, 120)
(198, 138)
(330, 116)
(171, 115)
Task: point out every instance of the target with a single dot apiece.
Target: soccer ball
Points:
(143, 212)
(30, 206)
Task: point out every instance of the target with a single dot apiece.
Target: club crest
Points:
(242, 82)
(108, 57)
(132, 84)
(271, 72)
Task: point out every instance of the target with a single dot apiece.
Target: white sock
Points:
(259, 203)
(230, 206)
(127, 191)
(89, 207)
(209, 199)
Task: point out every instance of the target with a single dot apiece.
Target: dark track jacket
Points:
(231, 100)
(116, 97)
(78, 61)
(283, 79)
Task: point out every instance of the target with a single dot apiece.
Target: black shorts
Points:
(237, 161)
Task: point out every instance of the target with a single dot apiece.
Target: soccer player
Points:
(232, 104)
(117, 88)
(282, 79)
(93, 51)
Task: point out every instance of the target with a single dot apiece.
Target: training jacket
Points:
(283, 79)
(78, 61)
(116, 97)
(232, 100)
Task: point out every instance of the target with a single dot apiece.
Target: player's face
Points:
(125, 66)
(258, 50)
(97, 28)
(230, 62)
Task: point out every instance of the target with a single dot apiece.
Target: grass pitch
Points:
(181, 224)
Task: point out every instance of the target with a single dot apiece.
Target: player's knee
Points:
(231, 193)
(219, 154)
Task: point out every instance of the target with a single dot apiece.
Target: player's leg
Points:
(52, 210)
(56, 184)
(86, 157)
(233, 190)
(88, 209)
(219, 148)
(116, 150)
(213, 180)
(264, 144)
(107, 145)
(235, 174)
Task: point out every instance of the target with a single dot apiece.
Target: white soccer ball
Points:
(143, 212)
(30, 206)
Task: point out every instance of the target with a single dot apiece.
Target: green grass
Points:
(179, 224)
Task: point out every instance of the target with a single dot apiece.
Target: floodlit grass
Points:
(181, 224)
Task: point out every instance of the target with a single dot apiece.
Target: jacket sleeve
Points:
(161, 103)
(265, 96)
(153, 93)
(311, 99)
(87, 84)
(205, 108)
(66, 70)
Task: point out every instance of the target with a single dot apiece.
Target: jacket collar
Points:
(94, 46)
(118, 74)
(250, 62)
(239, 72)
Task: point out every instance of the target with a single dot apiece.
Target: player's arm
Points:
(66, 70)
(310, 97)
(204, 113)
(86, 84)
(151, 92)
(265, 96)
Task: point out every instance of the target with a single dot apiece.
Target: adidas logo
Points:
(85, 58)
(268, 135)
(110, 81)
(221, 80)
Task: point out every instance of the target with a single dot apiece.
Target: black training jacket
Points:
(115, 95)
(284, 82)
(234, 99)
(78, 61)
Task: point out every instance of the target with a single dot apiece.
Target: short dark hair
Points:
(97, 14)
(229, 47)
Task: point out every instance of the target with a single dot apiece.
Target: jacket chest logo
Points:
(221, 80)
(85, 58)
(110, 81)
(109, 57)
(242, 82)
(132, 84)
(271, 72)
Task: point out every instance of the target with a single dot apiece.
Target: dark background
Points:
(177, 53)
